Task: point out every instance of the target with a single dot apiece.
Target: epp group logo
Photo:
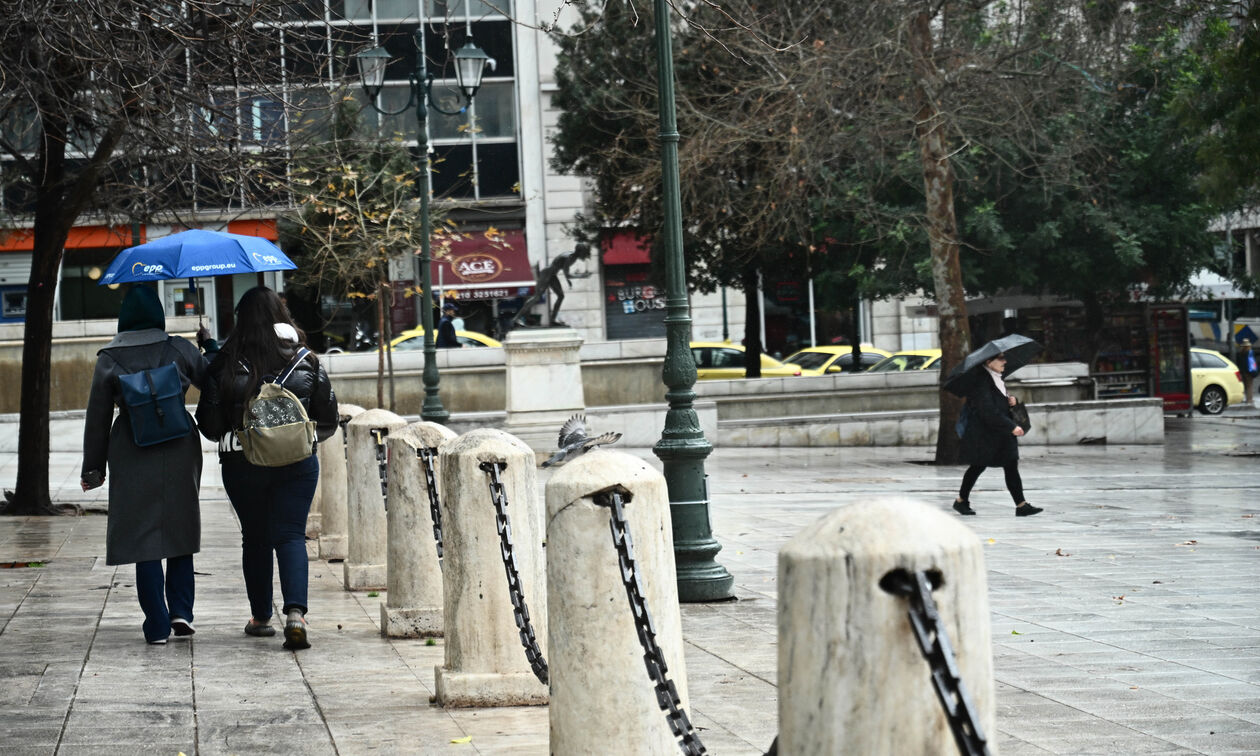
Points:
(145, 269)
(266, 259)
(477, 267)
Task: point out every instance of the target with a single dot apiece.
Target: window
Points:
(1205, 360)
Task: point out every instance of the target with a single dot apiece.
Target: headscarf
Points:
(997, 379)
(141, 309)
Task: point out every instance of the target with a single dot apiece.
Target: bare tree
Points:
(131, 110)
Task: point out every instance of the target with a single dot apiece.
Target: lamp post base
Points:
(682, 453)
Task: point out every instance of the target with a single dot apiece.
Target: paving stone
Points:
(1145, 640)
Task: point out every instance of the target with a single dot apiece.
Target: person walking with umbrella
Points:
(154, 499)
(990, 437)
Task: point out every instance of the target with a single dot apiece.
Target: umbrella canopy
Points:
(196, 253)
(1019, 351)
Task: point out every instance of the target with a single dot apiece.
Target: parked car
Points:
(414, 339)
(820, 360)
(1215, 381)
(908, 359)
(716, 360)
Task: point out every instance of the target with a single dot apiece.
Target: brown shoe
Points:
(259, 629)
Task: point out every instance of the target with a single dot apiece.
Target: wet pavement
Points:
(1126, 618)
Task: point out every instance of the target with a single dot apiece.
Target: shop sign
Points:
(639, 299)
(477, 267)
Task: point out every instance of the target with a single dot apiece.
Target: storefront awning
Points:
(489, 265)
(626, 248)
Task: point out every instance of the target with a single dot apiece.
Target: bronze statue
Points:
(548, 278)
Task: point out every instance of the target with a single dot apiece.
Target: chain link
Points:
(382, 462)
(345, 440)
(427, 455)
(666, 693)
(929, 632)
(520, 611)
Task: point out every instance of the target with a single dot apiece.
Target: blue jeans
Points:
(164, 596)
(271, 504)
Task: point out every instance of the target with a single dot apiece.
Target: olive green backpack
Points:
(276, 430)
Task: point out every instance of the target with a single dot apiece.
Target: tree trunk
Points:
(53, 217)
(938, 189)
(32, 494)
(381, 345)
(752, 324)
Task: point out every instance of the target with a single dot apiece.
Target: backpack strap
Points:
(288, 371)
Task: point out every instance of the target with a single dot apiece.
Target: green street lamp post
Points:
(683, 447)
(470, 64)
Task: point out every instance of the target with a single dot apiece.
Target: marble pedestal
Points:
(544, 384)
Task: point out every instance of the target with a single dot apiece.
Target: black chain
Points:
(427, 455)
(382, 462)
(519, 611)
(345, 441)
(929, 632)
(666, 693)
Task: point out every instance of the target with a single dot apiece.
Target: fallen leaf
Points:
(465, 739)
(992, 541)
(1016, 632)
(1061, 552)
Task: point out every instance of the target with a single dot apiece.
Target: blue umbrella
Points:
(191, 254)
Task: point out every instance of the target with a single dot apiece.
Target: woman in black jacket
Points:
(271, 503)
(989, 440)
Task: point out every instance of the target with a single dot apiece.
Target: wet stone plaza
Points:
(1125, 619)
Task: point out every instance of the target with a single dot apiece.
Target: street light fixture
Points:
(683, 447)
(470, 64)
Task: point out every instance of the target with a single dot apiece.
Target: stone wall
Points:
(1117, 421)
(75, 344)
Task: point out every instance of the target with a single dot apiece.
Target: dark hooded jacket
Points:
(219, 417)
(154, 510)
(989, 439)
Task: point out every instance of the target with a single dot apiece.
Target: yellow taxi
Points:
(821, 360)
(413, 338)
(718, 360)
(908, 359)
(1214, 380)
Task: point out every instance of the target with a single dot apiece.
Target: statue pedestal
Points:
(544, 384)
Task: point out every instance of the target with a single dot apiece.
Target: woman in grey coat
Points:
(154, 513)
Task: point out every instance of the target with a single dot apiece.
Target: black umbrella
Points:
(1019, 351)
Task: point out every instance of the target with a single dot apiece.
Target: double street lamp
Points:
(470, 64)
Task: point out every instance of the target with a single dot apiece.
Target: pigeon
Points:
(574, 443)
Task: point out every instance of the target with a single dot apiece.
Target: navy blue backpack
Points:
(154, 401)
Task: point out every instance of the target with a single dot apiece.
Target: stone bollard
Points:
(334, 488)
(589, 617)
(413, 606)
(485, 663)
(365, 514)
(851, 676)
